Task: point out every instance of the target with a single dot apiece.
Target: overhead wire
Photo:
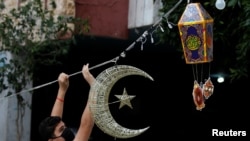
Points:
(141, 39)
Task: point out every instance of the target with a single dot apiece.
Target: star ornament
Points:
(125, 99)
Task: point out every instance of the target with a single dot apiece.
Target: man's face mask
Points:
(67, 134)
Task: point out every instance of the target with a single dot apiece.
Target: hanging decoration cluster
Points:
(106, 80)
(99, 98)
(196, 33)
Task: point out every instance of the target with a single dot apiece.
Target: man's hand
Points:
(63, 80)
(87, 75)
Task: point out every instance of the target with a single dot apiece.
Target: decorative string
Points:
(141, 39)
(193, 72)
(209, 69)
(151, 38)
(197, 72)
(117, 101)
(201, 72)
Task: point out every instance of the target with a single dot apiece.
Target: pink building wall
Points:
(107, 18)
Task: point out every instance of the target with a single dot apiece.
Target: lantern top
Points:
(195, 13)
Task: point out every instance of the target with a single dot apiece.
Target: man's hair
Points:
(47, 126)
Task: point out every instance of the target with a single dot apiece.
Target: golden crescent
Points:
(99, 100)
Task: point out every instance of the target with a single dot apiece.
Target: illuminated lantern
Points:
(196, 32)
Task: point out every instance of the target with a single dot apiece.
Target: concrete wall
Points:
(143, 12)
(107, 18)
(14, 119)
(113, 18)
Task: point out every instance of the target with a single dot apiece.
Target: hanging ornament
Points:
(208, 88)
(198, 96)
(99, 100)
(196, 33)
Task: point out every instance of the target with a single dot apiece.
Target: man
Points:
(53, 128)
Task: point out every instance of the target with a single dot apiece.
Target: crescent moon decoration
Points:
(99, 100)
